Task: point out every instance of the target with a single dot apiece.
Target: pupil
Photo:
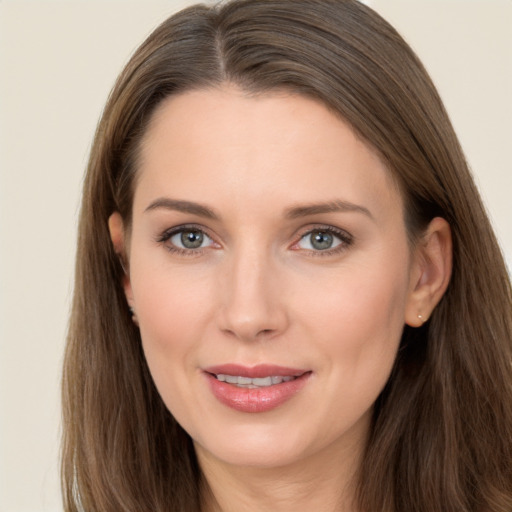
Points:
(192, 239)
(321, 240)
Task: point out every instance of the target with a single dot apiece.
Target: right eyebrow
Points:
(182, 206)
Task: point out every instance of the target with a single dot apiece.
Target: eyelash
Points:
(345, 238)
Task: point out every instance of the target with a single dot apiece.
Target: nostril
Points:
(239, 333)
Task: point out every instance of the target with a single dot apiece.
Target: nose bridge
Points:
(251, 306)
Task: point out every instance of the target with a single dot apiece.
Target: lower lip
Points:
(257, 399)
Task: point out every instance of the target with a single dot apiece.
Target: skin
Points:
(257, 290)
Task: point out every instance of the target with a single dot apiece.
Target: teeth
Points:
(265, 381)
(246, 382)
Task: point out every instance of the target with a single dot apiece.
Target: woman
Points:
(288, 294)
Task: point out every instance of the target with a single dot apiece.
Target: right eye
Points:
(190, 239)
(186, 240)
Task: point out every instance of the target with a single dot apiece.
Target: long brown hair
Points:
(441, 437)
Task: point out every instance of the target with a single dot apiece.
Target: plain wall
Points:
(58, 61)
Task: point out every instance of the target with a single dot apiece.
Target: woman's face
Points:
(269, 272)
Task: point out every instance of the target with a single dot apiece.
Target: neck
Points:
(325, 481)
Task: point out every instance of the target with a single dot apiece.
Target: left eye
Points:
(320, 240)
(190, 239)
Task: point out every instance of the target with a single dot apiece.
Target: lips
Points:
(255, 389)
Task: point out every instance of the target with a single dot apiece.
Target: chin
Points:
(266, 455)
(263, 446)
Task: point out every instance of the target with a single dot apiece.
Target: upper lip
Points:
(254, 372)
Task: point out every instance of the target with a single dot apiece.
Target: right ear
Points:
(116, 229)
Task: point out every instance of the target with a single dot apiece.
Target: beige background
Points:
(58, 61)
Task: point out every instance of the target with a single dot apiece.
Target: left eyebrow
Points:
(329, 207)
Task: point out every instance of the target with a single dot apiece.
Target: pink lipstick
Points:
(255, 389)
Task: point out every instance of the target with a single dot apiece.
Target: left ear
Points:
(430, 272)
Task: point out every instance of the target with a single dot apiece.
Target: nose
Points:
(252, 297)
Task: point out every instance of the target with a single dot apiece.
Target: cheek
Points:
(172, 311)
(359, 297)
(171, 328)
(359, 318)
(169, 301)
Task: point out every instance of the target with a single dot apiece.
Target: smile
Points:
(255, 389)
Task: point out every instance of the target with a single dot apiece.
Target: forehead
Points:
(275, 145)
